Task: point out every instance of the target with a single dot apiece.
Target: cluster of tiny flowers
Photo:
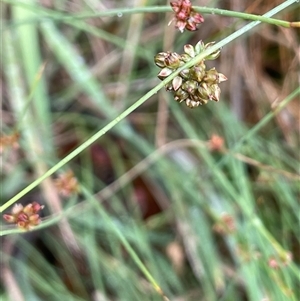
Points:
(66, 184)
(216, 143)
(185, 16)
(226, 224)
(25, 217)
(195, 85)
(8, 141)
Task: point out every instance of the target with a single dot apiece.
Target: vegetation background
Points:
(174, 204)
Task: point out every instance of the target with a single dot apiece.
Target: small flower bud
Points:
(193, 96)
(193, 21)
(215, 92)
(190, 86)
(23, 216)
(207, 45)
(164, 73)
(185, 74)
(222, 78)
(203, 91)
(198, 99)
(190, 25)
(37, 207)
(172, 61)
(213, 55)
(9, 218)
(176, 83)
(17, 208)
(192, 103)
(185, 57)
(200, 47)
(211, 76)
(189, 49)
(34, 219)
(181, 25)
(175, 6)
(216, 143)
(28, 209)
(202, 101)
(159, 59)
(169, 87)
(181, 95)
(197, 73)
(22, 225)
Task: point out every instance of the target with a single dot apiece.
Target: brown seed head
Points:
(25, 217)
(67, 184)
(185, 16)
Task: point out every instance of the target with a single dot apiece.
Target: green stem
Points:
(138, 103)
(245, 16)
(157, 9)
(123, 240)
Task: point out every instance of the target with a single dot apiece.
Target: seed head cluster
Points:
(195, 85)
(8, 141)
(25, 217)
(67, 184)
(185, 16)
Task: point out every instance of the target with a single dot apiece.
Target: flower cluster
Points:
(8, 141)
(194, 85)
(185, 16)
(225, 225)
(216, 143)
(66, 184)
(24, 217)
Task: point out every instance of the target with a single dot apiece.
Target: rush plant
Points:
(195, 205)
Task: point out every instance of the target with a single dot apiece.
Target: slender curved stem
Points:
(119, 12)
(124, 241)
(245, 16)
